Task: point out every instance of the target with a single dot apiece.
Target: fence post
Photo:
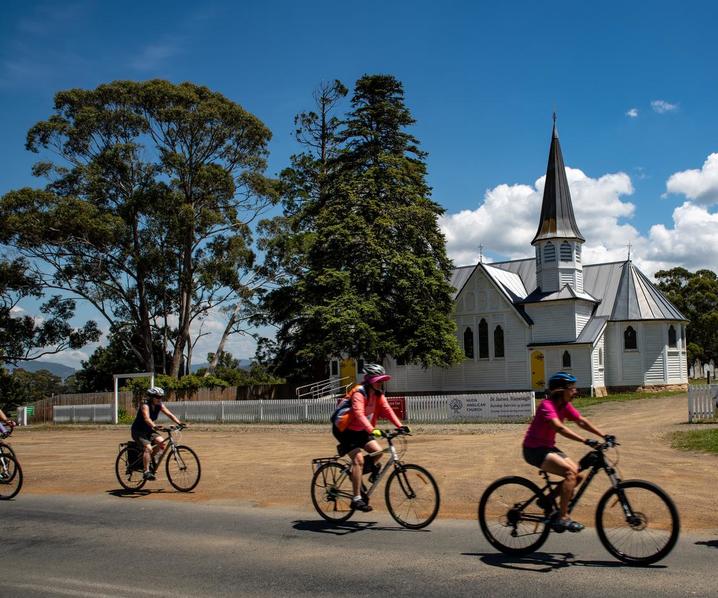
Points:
(690, 404)
(261, 410)
(221, 417)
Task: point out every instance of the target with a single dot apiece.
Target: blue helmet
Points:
(560, 380)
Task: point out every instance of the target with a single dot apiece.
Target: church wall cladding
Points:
(580, 362)
(598, 360)
(553, 321)
(652, 362)
(583, 315)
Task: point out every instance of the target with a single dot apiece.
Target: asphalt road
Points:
(126, 546)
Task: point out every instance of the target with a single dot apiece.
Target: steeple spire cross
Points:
(481, 253)
(629, 250)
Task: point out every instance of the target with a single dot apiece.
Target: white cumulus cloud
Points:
(661, 106)
(700, 184)
(632, 113)
(506, 220)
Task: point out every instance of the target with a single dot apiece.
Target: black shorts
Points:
(351, 439)
(536, 456)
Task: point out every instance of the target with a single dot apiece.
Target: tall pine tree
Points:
(375, 271)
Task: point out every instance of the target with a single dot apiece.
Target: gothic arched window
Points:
(549, 252)
(566, 252)
(630, 339)
(469, 343)
(600, 356)
(483, 339)
(498, 342)
(672, 341)
(566, 360)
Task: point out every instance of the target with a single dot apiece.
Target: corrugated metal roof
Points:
(459, 276)
(557, 219)
(510, 282)
(592, 329)
(566, 292)
(636, 299)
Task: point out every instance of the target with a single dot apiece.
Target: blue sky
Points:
(633, 83)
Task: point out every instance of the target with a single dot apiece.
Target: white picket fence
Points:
(702, 401)
(73, 414)
(513, 406)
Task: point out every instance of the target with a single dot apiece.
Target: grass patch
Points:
(704, 441)
(583, 402)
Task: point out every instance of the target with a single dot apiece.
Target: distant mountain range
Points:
(63, 371)
(58, 369)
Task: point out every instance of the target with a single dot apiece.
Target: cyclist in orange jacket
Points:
(355, 425)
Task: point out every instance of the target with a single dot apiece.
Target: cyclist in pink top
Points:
(539, 445)
(358, 428)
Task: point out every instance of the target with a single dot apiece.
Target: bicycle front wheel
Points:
(332, 492)
(637, 522)
(412, 496)
(183, 468)
(10, 477)
(512, 517)
(7, 450)
(128, 471)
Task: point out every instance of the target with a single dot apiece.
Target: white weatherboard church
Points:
(520, 321)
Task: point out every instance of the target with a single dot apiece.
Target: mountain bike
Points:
(411, 494)
(10, 470)
(636, 520)
(182, 464)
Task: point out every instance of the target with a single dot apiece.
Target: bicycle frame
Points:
(393, 461)
(550, 488)
(170, 445)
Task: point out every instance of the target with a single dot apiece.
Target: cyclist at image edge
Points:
(5, 421)
(539, 446)
(356, 429)
(144, 429)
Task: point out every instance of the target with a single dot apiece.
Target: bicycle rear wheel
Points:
(512, 517)
(129, 471)
(10, 477)
(332, 492)
(645, 536)
(183, 468)
(412, 496)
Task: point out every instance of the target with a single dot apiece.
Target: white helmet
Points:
(155, 392)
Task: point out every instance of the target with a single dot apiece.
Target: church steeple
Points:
(557, 220)
(558, 240)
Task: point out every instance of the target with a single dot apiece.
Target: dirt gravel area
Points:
(266, 465)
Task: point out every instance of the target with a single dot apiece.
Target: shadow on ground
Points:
(320, 526)
(546, 562)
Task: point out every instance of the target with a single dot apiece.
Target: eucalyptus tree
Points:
(148, 207)
(24, 337)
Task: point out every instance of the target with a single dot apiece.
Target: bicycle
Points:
(10, 470)
(411, 493)
(182, 465)
(636, 520)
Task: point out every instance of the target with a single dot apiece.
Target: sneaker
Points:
(148, 475)
(566, 525)
(359, 505)
(374, 473)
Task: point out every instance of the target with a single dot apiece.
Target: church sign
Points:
(505, 406)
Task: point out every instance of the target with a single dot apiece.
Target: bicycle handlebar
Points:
(389, 434)
(170, 428)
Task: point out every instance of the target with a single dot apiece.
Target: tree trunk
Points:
(220, 347)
